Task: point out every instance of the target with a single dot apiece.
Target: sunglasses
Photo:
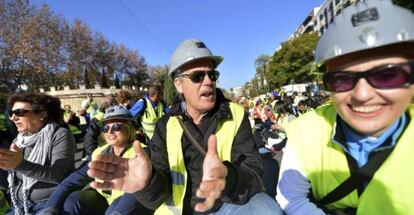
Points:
(198, 76)
(20, 112)
(115, 127)
(382, 77)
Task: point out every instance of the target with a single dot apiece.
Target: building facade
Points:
(320, 17)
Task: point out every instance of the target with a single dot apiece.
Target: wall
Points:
(74, 97)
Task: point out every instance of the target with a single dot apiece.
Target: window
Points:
(321, 31)
(321, 17)
(347, 3)
(337, 2)
(338, 12)
(331, 12)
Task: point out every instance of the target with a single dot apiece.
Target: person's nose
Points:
(363, 91)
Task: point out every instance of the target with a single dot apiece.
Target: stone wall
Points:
(74, 97)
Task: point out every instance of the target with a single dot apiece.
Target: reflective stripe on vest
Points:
(325, 165)
(177, 178)
(130, 153)
(149, 118)
(225, 133)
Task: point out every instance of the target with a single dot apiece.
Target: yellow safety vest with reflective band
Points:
(4, 205)
(110, 197)
(98, 115)
(150, 117)
(325, 165)
(225, 133)
(74, 129)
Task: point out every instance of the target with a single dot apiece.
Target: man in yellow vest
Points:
(203, 156)
(89, 107)
(355, 155)
(149, 110)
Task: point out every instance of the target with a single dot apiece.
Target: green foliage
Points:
(262, 68)
(292, 63)
(159, 75)
(169, 90)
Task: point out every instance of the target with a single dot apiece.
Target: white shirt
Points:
(293, 187)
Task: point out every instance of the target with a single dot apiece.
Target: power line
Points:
(143, 26)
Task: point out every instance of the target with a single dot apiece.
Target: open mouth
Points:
(207, 94)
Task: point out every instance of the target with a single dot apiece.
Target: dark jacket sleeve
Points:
(245, 169)
(90, 141)
(159, 188)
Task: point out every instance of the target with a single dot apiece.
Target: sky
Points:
(240, 31)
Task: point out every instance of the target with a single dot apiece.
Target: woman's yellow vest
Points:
(130, 153)
(325, 165)
(225, 133)
(149, 118)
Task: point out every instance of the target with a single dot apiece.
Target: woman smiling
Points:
(70, 198)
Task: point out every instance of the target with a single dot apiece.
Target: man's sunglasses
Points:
(20, 112)
(383, 77)
(115, 127)
(198, 76)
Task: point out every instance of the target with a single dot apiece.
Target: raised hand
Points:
(10, 158)
(128, 175)
(214, 177)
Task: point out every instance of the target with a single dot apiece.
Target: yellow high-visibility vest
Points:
(225, 133)
(325, 165)
(130, 153)
(150, 117)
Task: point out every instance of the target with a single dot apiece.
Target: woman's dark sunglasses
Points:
(20, 112)
(198, 76)
(382, 77)
(115, 127)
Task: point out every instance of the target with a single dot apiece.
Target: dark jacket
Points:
(244, 170)
(57, 167)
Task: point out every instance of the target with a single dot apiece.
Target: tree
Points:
(159, 74)
(292, 63)
(31, 45)
(131, 67)
(262, 64)
(13, 67)
(103, 60)
(40, 49)
(80, 55)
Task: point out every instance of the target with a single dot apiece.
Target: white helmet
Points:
(368, 24)
(117, 112)
(189, 51)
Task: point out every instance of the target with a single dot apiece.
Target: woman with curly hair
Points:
(41, 155)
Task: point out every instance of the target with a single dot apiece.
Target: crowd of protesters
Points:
(347, 153)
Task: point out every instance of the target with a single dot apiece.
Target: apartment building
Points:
(319, 18)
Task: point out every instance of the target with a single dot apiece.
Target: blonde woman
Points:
(119, 133)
